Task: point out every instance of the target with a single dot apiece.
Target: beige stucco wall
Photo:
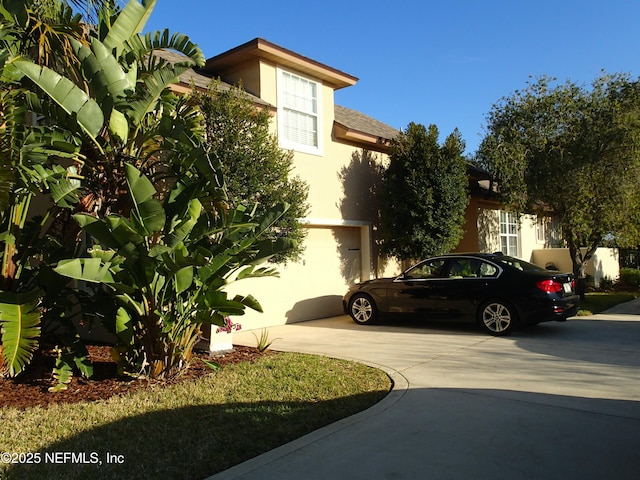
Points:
(322, 173)
(603, 264)
(528, 237)
(488, 233)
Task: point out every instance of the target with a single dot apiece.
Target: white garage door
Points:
(316, 285)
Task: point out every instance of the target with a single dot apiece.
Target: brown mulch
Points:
(31, 387)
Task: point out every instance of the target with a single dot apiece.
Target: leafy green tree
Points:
(256, 170)
(424, 193)
(572, 151)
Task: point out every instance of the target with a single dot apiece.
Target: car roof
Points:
(471, 254)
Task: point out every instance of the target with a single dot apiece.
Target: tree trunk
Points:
(579, 261)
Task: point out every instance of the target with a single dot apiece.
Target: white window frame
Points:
(314, 111)
(509, 230)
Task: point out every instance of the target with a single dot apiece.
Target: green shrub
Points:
(630, 277)
(606, 283)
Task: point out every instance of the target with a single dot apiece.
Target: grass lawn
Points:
(596, 302)
(189, 430)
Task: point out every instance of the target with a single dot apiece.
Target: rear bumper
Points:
(551, 309)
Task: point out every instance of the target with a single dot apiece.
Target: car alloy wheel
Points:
(362, 309)
(497, 317)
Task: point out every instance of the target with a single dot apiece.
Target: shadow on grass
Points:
(186, 443)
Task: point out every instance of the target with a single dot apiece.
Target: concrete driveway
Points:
(555, 401)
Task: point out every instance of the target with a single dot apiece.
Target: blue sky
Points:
(430, 62)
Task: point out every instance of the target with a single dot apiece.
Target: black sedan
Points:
(496, 291)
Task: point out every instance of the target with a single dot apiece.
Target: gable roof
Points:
(200, 78)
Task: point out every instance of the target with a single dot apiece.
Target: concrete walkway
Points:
(556, 401)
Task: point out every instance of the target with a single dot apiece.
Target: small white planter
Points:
(221, 342)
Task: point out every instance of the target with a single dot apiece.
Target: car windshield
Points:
(518, 264)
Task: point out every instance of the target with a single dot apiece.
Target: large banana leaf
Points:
(132, 20)
(141, 188)
(71, 98)
(178, 42)
(20, 328)
(181, 228)
(147, 211)
(98, 230)
(154, 84)
(64, 191)
(102, 71)
(92, 270)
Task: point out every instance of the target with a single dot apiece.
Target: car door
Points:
(418, 289)
(469, 281)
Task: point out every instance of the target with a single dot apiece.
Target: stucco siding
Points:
(311, 288)
(603, 264)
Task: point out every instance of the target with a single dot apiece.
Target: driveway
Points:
(555, 401)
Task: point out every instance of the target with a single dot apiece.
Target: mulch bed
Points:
(30, 388)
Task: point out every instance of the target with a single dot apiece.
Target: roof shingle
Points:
(354, 120)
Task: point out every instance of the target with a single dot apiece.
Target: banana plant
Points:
(30, 163)
(166, 266)
(103, 98)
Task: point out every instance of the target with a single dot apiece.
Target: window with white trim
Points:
(509, 233)
(299, 118)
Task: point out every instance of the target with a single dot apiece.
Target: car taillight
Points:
(549, 286)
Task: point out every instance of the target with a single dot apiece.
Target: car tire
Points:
(497, 317)
(363, 309)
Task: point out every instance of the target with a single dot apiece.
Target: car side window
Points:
(464, 268)
(487, 270)
(428, 269)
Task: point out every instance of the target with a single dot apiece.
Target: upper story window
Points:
(509, 233)
(299, 119)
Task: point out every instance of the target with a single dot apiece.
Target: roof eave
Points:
(362, 138)
(262, 49)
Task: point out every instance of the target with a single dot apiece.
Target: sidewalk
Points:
(627, 308)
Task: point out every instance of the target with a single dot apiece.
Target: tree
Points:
(424, 193)
(256, 170)
(571, 151)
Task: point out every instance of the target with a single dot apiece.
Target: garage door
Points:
(316, 284)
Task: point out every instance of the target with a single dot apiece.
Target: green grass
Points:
(193, 429)
(596, 302)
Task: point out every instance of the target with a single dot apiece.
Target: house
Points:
(336, 151)
(332, 146)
